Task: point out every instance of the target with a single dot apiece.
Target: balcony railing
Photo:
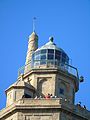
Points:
(46, 64)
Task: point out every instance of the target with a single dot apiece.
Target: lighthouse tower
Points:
(46, 86)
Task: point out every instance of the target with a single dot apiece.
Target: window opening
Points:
(61, 91)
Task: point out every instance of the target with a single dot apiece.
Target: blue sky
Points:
(68, 21)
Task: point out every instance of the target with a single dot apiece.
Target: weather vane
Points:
(34, 18)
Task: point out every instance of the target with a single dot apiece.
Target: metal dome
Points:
(49, 55)
(49, 45)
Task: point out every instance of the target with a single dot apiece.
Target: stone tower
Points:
(45, 88)
(32, 46)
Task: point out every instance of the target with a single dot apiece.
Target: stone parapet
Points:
(55, 103)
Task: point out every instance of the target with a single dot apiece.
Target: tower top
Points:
(33, 35)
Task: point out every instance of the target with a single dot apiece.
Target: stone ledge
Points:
(55, 103)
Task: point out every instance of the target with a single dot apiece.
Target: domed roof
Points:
(50, 45)
(49, 55)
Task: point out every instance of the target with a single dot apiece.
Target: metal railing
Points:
(43, 64)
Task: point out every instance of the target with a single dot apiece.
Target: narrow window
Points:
(61, 91)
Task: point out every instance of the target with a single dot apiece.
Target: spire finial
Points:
(51, 39)
(34, 18)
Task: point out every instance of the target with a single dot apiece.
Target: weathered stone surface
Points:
(54, 109)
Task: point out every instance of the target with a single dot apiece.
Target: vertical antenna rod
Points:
(34, 24)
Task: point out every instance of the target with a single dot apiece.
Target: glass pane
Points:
(43, 51)
(42, 62)
(50, 56)
(36, 63)
(43, 57)
(37, 57)
(50, 62)
(37, 53)
(57, 52)
(64, 55)
(63, 60)
(57, 57)
(57, 63)
(50, 51)
(67, 60)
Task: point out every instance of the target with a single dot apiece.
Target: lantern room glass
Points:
(50, 57)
